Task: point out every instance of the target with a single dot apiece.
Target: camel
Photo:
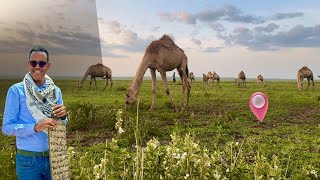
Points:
(304, 72)
(259, 79)
(204, 78)
(191, 77)
(216, 77)
(242, 78)
(97, 70)
(162, 55)
(209, 77)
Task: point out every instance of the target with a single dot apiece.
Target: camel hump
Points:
(164, 41)
(304, 68)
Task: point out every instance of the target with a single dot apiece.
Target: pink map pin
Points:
(259, 105)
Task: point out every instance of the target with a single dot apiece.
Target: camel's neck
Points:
(139, 76)
(84, 77)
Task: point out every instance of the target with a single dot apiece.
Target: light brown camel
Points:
(204, 78)
(97, 70)
(242, 79)
(191, 77)
(162, 55)
(209, 77)
(259, 79)
(216, 77)
(304, 72)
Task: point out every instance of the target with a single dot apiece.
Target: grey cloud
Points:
(227, 13)
(212, 49)
(196, 41)
(179, 17)
(217, 27)
(268, 29)
(155, 28)
(280, 16)
(114, 26)
(263, 38)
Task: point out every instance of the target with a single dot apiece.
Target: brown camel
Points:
(216, 77)
(162, 55)
(191, 77)
(259, 79)
(242, 78)
(304, 72)
(204, 78)
(209, 77)
(98, 70)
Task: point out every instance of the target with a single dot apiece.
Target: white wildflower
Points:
(120, 130)
(314, 172)
(186, 176)
(183, 155)
(96, 167)
(98, 176)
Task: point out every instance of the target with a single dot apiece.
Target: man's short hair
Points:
(40, 49)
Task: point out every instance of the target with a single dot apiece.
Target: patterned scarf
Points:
(39, 101)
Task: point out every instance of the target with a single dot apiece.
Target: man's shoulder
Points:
(18, 85)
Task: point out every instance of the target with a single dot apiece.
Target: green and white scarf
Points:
(39, 101)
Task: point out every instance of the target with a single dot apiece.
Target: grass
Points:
(286, 145)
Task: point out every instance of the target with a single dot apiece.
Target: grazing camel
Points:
(98, 70)
(162, 55)
(259, 79)
(191, 77)
(209, 77)
(242, 78)
(204, 78)
(216, 77)
(304, 72)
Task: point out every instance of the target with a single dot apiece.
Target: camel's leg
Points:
(111, 83)
(308, 83)
(106, 83)
(95, 82)
(90, 82)
(154, 89)
(165, 83)
(312, 84)
(188, 86)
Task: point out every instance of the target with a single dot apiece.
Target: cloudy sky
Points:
(272, 38)
(67, 28)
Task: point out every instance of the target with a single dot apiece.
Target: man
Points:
(32, 107)
(174, 77)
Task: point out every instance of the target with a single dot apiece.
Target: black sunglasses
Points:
(41, 63)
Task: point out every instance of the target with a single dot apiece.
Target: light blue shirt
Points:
(17, 120)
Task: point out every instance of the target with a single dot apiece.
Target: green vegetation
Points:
(217, 137)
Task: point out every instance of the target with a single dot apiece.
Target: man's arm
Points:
(10, 124)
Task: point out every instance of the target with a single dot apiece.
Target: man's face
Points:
(38, 66)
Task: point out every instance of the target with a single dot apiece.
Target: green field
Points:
(216, 137)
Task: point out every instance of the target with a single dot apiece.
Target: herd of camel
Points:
(164, 55)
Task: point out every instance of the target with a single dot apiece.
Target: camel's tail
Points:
(187, 70)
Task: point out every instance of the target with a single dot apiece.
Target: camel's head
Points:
(130, 98)
(79, 86)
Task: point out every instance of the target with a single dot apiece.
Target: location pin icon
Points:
(259, 105)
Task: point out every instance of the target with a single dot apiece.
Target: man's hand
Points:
(59, 110)
(44, 124)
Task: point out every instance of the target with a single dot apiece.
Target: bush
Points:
(81, 115)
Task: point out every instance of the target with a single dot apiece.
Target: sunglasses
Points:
(42, 64)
